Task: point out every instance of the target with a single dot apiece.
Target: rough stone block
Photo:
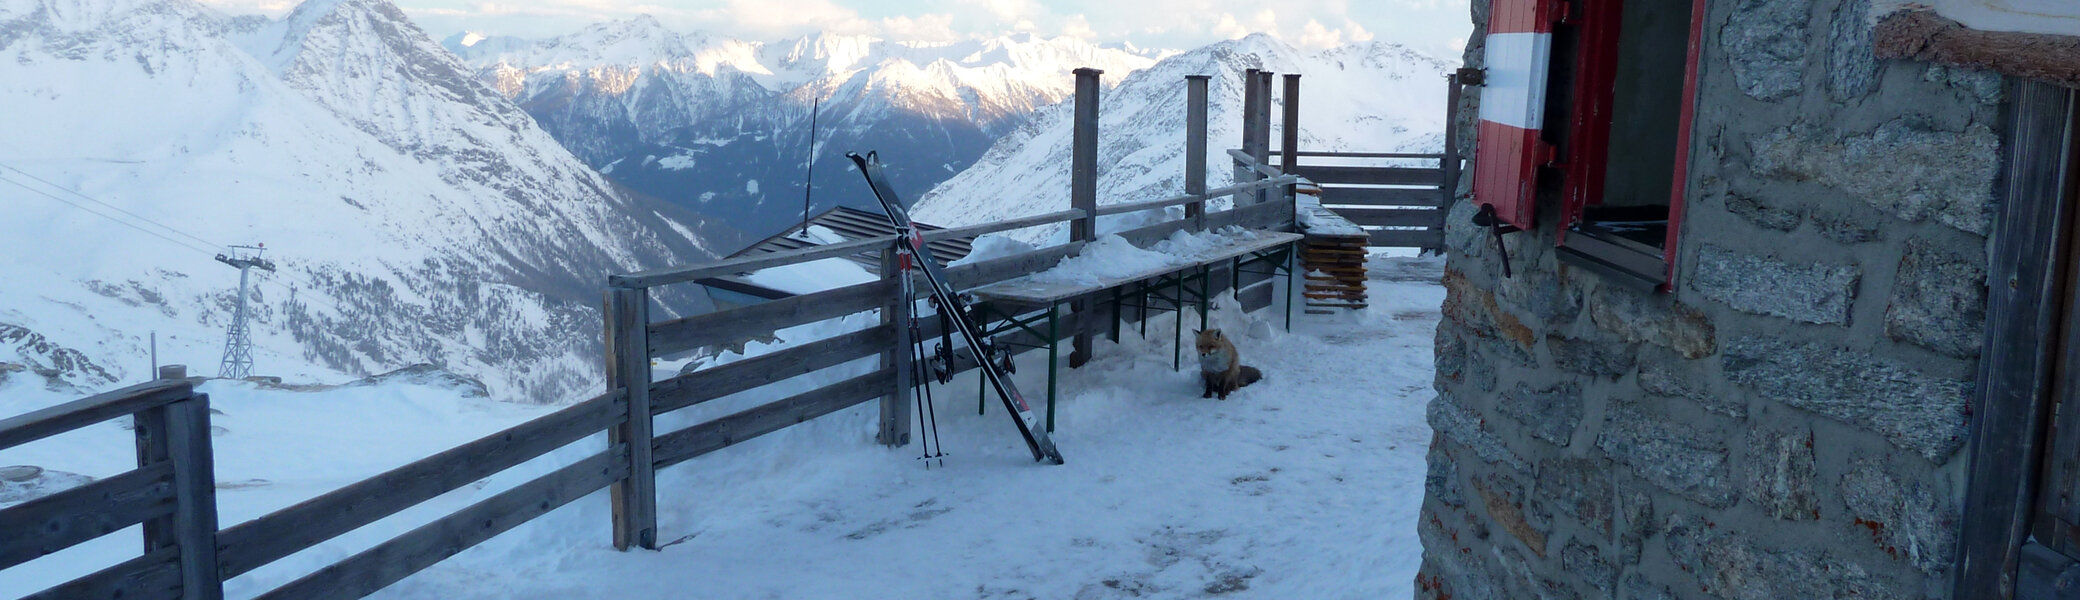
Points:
(1765, 43)
(1780, 473)
(1979, 86)
(1441, 482)
(1658, 321)
(1452, 571)
(1541, 291)
(1635, 524)
(1637, 587)
(1586, 562)
(1852, 62)
(1765, 211)
(1452, 420)
(1848, 227)
(1904, 518)
(1599, 358)
(1668, 375)
(1672, 455)
(1904, 167)
(1550, 413)
(1580, 489)
(1504, 502)
(1474, 307)
(1938, 301)
(1735, 566)
(1813, 292)
(1450, 355)
(1524, 582)
(1916, 411)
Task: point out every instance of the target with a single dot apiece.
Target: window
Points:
(1604, 100)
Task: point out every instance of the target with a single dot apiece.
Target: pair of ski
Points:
(911, 254)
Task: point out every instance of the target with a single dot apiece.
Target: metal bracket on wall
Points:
(1486, 218)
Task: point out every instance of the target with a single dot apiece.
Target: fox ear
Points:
(1216, 334)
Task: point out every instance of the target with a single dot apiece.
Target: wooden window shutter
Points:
(1513, 106)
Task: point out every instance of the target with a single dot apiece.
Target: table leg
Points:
(1052, 333)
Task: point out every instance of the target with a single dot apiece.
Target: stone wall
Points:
(1788, 422)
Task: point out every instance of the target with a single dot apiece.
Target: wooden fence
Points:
(171, 492)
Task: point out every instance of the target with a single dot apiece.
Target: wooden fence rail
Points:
(171, 492)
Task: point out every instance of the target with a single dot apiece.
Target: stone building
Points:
(1719, 322)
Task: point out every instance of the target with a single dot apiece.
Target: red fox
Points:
(1220, 367)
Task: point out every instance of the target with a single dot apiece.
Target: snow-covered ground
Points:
(1306, 485)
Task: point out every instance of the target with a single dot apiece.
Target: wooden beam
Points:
(1394, 217)
(1923, 35)
(765, 369)
(729, 326)
(1408, 238)
(1340, 196)
(685, 444)
(194, 497)
(376, 568)
(634, 499)
(254, 543)
(1326, 175)
(45, 525)
(2018, 357)
(154, 576)
(38, 424)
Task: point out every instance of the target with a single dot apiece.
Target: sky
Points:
(1436, 26)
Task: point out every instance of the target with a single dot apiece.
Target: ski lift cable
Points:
(113, 207)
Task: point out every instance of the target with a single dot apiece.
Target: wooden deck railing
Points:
(171, 492)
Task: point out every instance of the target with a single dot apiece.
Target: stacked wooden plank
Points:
(1332, 257)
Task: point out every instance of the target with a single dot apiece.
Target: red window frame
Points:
(1586, 162)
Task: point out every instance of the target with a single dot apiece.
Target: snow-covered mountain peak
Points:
(416, 215)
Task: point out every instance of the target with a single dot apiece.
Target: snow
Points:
(751, 187)
(676, 162)
(1111, 257)
(1307, 484)
(2055, 17)
(992, 246)
(812, 276)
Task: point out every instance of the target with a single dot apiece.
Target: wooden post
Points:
(1250, 100)
(1263, 131)
(195, 497)
(1195, 148)
(152, 449)
(628, 367)
(1289, 136)
(895, 410)
(1083, 192)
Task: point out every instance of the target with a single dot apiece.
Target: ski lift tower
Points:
(238, 346)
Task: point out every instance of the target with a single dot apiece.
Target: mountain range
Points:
(415, 214)
(722, 125)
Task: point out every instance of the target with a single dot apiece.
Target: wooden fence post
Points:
(195, 496)
(1250, 100)
(1289, 136)
(1263, 131)
(1195, 148)
(628, 367)
(152, 448)
(1083, 193)
(895, 411)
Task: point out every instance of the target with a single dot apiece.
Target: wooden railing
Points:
(171, 492)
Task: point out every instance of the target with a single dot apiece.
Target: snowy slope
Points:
(417, 216)
(722, 125)
(1372, 97)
